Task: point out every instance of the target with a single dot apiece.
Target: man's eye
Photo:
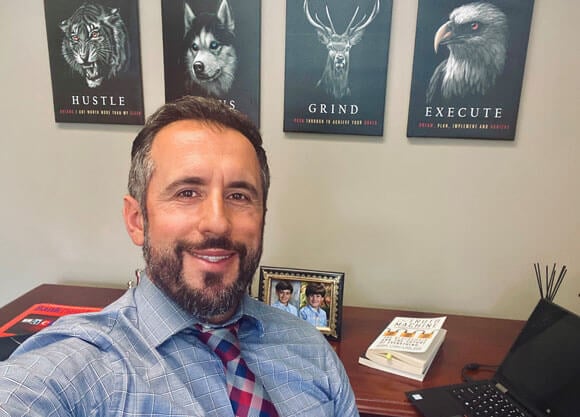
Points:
(187, 194)
(238, 197)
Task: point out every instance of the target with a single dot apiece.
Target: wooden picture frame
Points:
(298, 281)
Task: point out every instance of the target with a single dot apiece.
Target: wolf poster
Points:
(95, 61)
(336, 66)
(212, 49)
(468, 68)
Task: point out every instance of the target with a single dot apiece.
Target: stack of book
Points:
(406, 347)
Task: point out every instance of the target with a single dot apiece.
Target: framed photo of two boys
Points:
(314, 296)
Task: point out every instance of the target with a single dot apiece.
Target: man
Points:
(198, 187)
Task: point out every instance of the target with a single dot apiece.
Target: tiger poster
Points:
(95, 61)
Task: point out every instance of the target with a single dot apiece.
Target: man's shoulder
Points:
(97, 329)
(279, 324)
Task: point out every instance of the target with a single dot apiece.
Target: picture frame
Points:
(298, 281)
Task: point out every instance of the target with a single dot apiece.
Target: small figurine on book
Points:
(406, 347)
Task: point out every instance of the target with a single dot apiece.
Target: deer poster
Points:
(468, 68)
(336, 66)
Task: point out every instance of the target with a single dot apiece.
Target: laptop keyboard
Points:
(485, 400)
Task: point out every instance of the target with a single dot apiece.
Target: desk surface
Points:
(469, 339)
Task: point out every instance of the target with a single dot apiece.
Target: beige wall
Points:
(440, 225)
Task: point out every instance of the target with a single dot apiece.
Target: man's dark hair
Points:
(284, 285)
(201, 109)
(315, 288)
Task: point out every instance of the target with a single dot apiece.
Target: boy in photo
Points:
(284, 292)
(312, 311)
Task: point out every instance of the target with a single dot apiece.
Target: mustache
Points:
(221, 242)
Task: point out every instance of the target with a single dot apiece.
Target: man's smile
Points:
(213, 258)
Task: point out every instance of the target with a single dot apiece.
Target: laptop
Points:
(539, 377)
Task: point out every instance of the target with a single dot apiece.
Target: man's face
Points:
(203, 238)
(314, 300)
(284, 296)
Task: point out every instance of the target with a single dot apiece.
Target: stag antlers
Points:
(350, 30)
(335, 75)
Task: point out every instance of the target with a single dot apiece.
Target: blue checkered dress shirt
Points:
(139, 357)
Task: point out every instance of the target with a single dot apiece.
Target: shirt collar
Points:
(160, 317)
(314, 310)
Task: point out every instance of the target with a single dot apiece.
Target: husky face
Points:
(210, 57)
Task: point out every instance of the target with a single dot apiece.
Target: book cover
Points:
(95, 61)
(413, 362)
(336, 66)
(211, 48)
(468, 68)
(408, 334)
(38, 317)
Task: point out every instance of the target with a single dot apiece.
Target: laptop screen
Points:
(542, 369)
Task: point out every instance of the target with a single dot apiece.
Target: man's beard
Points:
(165, 269)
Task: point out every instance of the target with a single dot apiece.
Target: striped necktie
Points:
(247, 396)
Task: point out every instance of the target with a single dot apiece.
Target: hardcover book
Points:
(406, 347)
(468, 68)
(39, 316)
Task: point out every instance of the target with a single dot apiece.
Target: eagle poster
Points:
(211, 48)
(336, 66)
(95, 61)
(468, 68)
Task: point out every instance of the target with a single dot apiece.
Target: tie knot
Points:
(222, 340)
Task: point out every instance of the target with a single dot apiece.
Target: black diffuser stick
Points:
(539, 278)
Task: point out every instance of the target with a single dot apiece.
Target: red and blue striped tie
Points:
(247, 396)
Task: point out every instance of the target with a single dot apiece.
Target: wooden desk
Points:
(469, 339)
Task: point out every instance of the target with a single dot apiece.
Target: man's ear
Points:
(133, 220)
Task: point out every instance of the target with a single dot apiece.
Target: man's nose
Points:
(214, 217)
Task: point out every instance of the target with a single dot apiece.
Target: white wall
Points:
(440, 225)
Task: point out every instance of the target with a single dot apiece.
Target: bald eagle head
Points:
(476, 36)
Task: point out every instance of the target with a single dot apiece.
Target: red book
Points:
(39, 316)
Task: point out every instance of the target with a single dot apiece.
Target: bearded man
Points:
(187, 340)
